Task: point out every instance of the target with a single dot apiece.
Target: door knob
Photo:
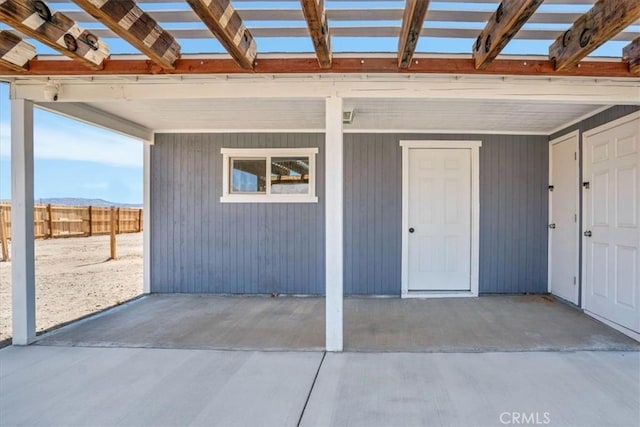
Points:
(411, 230)
(552, 225)
(587, 233)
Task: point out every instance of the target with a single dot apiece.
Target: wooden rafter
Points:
(602, 22)
(137, 27)
(15, 53)
(351, 65)
(412, 21)
(631, 55)
(316, 17)
(505, 22)
(34, 19)
(224, 22)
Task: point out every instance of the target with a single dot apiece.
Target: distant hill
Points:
(76, 201)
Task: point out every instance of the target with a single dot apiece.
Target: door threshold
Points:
(438, 294)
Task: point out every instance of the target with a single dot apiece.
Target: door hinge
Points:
(575, 156)
(575, 217)
(574, 280)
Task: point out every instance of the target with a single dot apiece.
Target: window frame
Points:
(267, 153)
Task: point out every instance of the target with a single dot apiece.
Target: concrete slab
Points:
(202, 322)
(484, 324)
(123, 386)
(482, 389)
(493, 323)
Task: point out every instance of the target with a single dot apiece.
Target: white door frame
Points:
(474, 146)
(585, 173)
(576, 135)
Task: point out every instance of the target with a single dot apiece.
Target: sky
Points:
(72, 159)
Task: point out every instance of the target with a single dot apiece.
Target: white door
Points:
(563, 218)
(612, 232)
(439, 220)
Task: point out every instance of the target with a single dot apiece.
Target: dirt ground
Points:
(74, 277)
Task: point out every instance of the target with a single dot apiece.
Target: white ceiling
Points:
(369, 114)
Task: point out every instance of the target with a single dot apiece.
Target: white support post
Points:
(334, 240)
(22, 238)
(146, 211)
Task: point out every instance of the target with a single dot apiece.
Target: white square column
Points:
(334, 238)
(22, 239)
(146, 219)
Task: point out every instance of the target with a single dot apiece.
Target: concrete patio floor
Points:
(492, 323)
(51, 385)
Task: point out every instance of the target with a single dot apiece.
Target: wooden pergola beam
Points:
(505, 22)
(412, 21)
(15, 53)
(316, 17)
(34, 19)
(352, 65)
(137, 27)
(602, 22)
(224, 22)
(631, 55)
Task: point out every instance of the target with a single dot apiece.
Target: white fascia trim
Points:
(563, 91)
(474, 146)
(450, 131)
(209, 130)
(96, 117)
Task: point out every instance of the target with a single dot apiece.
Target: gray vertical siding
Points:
(373, 214)
(599, 119)
(200, 245)
(592, 122)
(513, 212)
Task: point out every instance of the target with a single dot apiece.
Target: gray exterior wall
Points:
(200, 245)
(513, 212)
(599, 119)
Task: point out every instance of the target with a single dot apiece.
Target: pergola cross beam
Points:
(316, 17)
(137, 27)
(15, 53)
(225, 23)
(412, 22)
(631, 55)
(33, 18)
(505, 22)
(603, 21)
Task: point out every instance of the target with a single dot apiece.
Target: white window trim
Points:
(474, 146)
(268, 153)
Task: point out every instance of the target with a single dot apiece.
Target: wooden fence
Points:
(73, 221)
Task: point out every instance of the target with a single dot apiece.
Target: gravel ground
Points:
(74, 277)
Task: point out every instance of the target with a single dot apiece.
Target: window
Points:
(276, 175)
